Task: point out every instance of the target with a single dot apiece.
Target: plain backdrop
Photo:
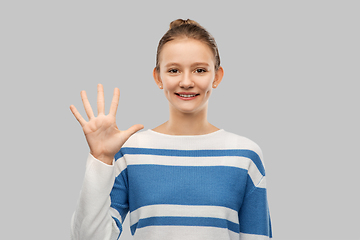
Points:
(291, 85)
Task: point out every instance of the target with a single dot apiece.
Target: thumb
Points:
(133, 129)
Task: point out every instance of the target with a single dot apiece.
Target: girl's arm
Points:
(93, 218)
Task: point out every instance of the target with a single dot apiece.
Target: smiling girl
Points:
(185, 179)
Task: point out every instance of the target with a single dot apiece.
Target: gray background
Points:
(290, 84)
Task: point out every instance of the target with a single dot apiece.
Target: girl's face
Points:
(187, 74)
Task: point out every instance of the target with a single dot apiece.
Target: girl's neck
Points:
(186, 124)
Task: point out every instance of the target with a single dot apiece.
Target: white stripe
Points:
(167, 210)
(244, 236)
(255, 175)
(217, 140)
(120, 165)
(114, 213)
(184, 232)
(230, 161)
(262, 183)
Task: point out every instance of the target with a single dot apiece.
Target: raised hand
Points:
(101, 132)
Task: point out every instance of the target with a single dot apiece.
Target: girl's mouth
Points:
(186, 96)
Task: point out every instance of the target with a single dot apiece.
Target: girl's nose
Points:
(186, 81)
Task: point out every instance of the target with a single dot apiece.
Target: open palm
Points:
(101, 132)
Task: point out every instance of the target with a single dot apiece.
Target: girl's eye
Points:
(173, 71)
(200, 70)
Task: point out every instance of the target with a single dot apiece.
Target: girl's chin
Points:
(188, 109)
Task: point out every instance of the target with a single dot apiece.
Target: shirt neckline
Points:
(186, 136)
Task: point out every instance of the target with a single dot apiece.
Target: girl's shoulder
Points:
(235, 141)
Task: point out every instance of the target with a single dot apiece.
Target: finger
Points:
(87, 106)
(77, 115)
(115, 102)
(133, 129)
(100, 99)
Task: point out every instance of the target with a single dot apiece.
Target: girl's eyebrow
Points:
(200, 63)
(192, 65)
(172, 64)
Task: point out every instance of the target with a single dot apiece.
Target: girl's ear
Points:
(218, 77)
(157, 78)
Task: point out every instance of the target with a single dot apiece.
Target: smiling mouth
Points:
(187, 95)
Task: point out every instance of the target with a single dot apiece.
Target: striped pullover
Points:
(200, 187)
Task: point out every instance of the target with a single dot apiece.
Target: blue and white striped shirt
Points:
(209, 186)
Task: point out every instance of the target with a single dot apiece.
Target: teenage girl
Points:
(185, 179)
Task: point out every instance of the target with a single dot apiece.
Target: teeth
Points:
(181, 95)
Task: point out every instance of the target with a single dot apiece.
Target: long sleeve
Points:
(94, 218)
(254, 217)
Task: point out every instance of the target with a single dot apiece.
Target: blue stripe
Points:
(195, 153)
(254, 214)
(119, 194)
(185, 221)
(186, 185)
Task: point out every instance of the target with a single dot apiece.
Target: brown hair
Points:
(191, 29)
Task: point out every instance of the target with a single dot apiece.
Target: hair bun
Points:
(179, 22)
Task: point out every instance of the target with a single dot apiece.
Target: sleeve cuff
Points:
(91, 159)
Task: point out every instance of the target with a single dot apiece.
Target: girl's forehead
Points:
(183, 43)
(186, 50)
